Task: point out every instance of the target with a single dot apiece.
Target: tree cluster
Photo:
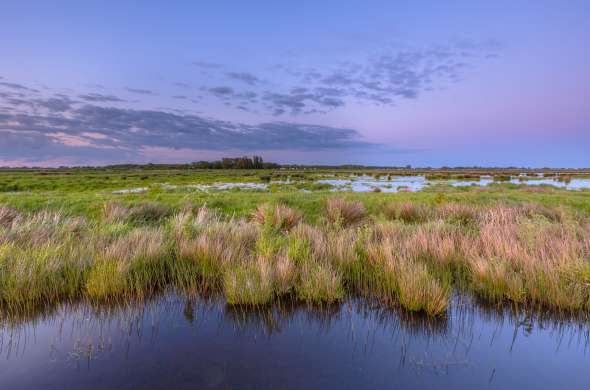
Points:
(255, 162)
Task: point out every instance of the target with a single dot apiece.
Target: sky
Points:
(390, 83)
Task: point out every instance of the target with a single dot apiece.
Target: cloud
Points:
(300, 99)
(140, 91)
(245, 77)
(384, 79)
(56, 104)
(221, 91)
(206, 65)
(16, 86)
(82, 132)
(100, 98)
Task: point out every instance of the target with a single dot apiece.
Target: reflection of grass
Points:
(508, 250)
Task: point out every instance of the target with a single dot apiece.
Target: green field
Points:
(65, 236)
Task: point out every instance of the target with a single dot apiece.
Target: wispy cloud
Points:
(140, 91)
(16, 86)
(244, 77)
(100, 98)
(382, 79)
(206, 65)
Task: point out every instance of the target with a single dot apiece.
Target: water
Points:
(417, 183)
(220, 186)
(369, 183)
(140, 190)
(177, 343)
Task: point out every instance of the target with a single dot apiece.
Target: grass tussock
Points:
(134, 264)
(319, 283)
(401, 277)
(278, 217)
(7, 216)
(408, 212)
(141, 212)
(249, 283)
(343, 213)
(526, 254)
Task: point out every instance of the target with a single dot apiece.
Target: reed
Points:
(140, 212)
(344, 213)
(249, 283)
(134, 264)
(278, 217)
(522, 253)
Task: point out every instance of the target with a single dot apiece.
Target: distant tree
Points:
(245, 162)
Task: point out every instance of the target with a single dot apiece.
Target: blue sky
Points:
(370, 82)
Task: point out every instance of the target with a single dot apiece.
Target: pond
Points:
(410, 183)
(418, 182)
(175, 342)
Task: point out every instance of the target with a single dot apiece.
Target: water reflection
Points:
(180, 342)
(418, 182)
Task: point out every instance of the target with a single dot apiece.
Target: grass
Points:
(278, 217)
(408, 250)
(133, 264)
(341, 212)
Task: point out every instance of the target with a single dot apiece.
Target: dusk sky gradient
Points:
(462, 83)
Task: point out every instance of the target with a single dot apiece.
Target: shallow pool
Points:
(180, 343)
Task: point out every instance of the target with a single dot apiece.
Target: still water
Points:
(418, 182)
(180, 343)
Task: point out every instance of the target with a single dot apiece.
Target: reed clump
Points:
(319, 283)
(344, 213)
(249, 283)
(526, 254)
(408, 212)
(401, 277)
(140, 212)
(42, 259)
(7, 215)
(278, 217)
(134, 264)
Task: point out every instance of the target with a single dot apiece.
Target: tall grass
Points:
(344, 213)
(526, 254)
(141, 212)
(278, 217)
(134, 264)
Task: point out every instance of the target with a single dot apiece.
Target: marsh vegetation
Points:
(409, 254)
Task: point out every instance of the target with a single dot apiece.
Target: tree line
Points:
(254, 162)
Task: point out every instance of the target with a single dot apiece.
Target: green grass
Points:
(409, 250)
